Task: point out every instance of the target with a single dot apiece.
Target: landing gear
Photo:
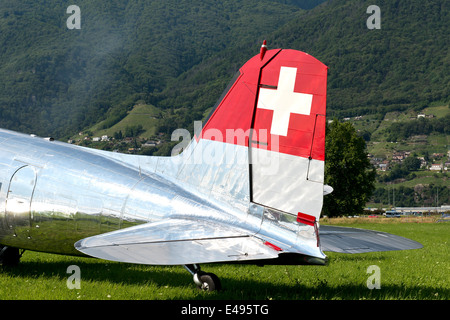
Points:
(204, 281)
(9, 256)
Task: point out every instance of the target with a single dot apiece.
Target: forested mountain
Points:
(55, 80)
(179, 55)
(403, 65)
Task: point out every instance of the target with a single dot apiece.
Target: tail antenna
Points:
(263, 50)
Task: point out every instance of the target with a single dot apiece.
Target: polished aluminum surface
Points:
(55, 194)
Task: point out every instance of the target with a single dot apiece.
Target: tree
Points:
(412, 163)
(347, 170)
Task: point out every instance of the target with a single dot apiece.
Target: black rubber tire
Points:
(10, 256)
(210, 282)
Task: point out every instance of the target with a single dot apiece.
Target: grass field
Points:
(141, 114)
(422, 274)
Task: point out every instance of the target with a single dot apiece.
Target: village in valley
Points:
(426, 152)
(412, 164)
(436, 162)
(130, 145)
(136, 133)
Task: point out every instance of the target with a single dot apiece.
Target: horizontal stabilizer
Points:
(353, 240)
(176, 242)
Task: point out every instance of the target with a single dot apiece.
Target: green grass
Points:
(439, 111)
(380, 147)
(421, 274)
(424, 177)
(141, 114)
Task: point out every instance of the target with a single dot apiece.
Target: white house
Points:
(436, 167)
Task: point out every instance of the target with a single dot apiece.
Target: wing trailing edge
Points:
(176, 242)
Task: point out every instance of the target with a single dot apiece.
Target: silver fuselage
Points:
(53, 194)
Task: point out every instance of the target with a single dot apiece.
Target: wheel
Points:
(209, 281)
(9, 256)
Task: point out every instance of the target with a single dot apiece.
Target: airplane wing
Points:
(176, 242)
(353, 240)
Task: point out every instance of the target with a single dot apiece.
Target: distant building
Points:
(400, 156)
(423, 162)
(422, 115)
(446, 166)
(436, 167)
(149, 144)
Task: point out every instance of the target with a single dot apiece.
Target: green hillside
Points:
(145, 116)
(141, 69)
(56, 81)
(180, 55)
(403, 65)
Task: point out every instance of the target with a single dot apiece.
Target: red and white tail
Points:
(275, 110)
(263, 143)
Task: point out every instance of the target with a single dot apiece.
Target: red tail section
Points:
(278, 104)
(285, 94)
(291, 103)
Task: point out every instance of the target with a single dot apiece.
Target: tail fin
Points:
(264, 142)
(276, 110)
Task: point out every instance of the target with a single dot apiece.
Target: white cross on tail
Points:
(284, 101)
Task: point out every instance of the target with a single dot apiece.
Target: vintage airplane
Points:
(248, 189)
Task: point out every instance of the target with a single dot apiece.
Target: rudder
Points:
(278, 104)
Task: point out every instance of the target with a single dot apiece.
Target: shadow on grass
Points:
(100, 271)
(235, 287)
